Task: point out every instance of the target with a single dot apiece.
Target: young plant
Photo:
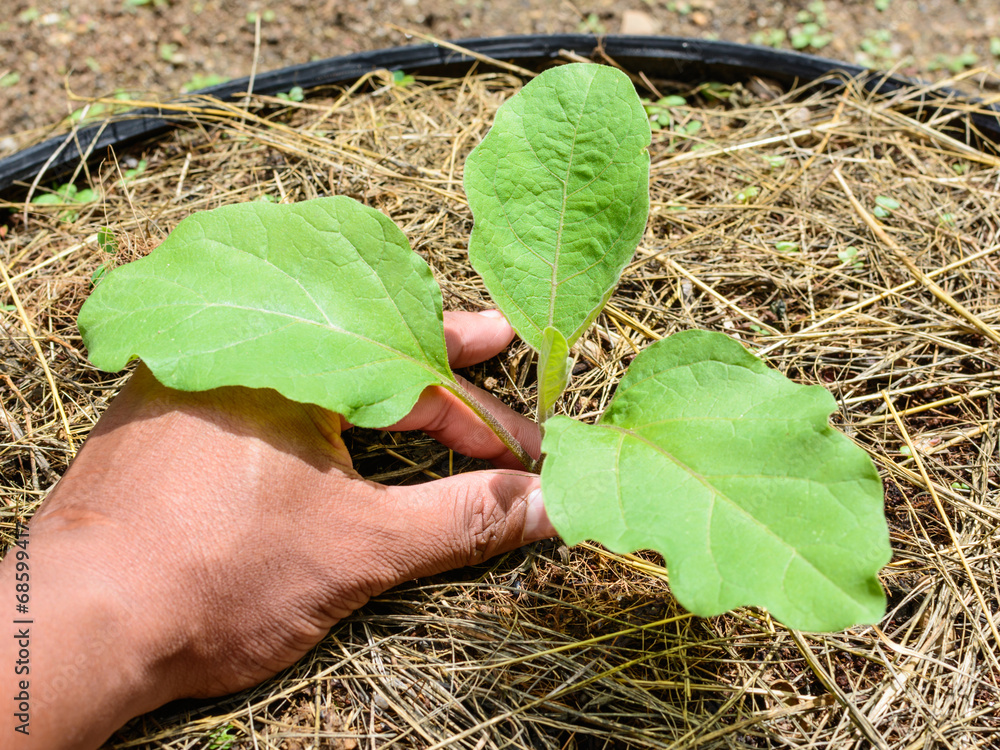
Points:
(723, 465)
(108, 243)
(66, 195)
(810, 30)
(294, 94)
(885, 205)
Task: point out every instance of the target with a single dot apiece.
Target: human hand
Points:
(219, 535)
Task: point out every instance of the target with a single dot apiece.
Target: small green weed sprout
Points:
(967, 58)
(202, 81)
(67, 194)
(849, 257)
(885, 206)
(294, 94)
(811, 29)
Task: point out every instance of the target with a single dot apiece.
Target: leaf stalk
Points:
(509, 441)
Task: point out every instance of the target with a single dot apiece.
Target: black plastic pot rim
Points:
(674, 58)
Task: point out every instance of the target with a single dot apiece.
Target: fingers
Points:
(464, 519)
(472, 338)
(475, 337)
(443, 416)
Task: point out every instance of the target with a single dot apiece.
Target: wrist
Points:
(94, 658)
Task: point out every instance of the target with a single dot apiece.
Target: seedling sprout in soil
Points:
(724, 466)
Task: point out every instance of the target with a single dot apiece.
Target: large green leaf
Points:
(323, 301)
(559, 190)
(732, 472)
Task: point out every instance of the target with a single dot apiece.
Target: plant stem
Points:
(540, 415)
(498, 429)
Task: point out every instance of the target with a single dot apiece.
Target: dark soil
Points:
(49, 48)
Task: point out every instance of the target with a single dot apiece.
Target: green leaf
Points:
(99, 273)
(294, 94)
(47, 198)
(131, 174)
(849, 255)
(322, 300)
(107, 241)
(692, 128)
(554, 367)
(800, 39)
(732, 472)
(820, 41)
(401, 79)
(889, 204)
(199, 81)
(559, 189)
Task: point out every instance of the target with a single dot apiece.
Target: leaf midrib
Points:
(562, 208)
(330, 326)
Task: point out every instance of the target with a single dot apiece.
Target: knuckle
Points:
(485, 526)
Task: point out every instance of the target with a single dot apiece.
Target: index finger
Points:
(475, 337)
(471, 338)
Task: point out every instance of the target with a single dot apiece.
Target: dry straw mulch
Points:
(762, 226)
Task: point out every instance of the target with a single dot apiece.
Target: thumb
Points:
(462, 520)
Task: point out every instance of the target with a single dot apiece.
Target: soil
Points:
(51, 48)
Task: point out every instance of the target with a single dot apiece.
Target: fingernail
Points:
(491, 313)
(536, 520)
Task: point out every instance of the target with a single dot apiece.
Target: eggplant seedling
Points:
(723, 465)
